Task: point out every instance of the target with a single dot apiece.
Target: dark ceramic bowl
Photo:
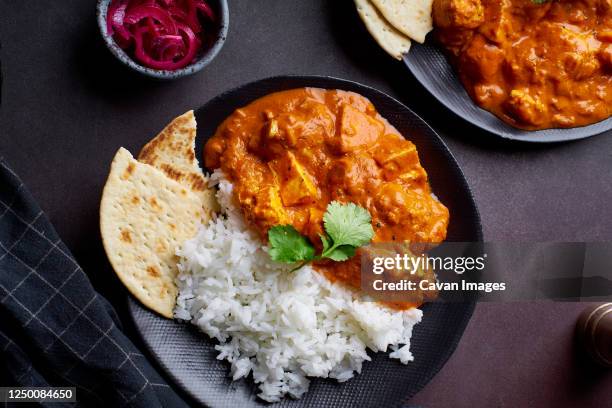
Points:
(189, 357)
(431, 68)
(203, 59)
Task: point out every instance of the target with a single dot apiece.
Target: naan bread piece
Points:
(144, 217)
(173, 152)
(411, 17)
(391, 40)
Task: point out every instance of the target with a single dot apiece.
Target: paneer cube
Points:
(271, 129)
(268, 210)
(458, 13)
(400, 162)
(296, 184)
(525, 108)
(356, 129)
(581, 65)
(497, 25)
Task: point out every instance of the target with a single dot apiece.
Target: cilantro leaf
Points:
(348, 224)
(287, 245)
(342, 253)
(347, 227)
(325, 241)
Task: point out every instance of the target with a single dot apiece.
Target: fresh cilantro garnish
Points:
(347, 227)
(539, 1)
(341, 253)
(347, 224)
(287, 245)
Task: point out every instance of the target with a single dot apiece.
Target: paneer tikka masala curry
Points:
(534, 64)
(289, 154)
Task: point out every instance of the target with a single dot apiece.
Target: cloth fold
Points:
(55, 329)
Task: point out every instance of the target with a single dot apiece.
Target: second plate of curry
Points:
(519, 69)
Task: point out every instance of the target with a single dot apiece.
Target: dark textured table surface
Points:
(67, 106)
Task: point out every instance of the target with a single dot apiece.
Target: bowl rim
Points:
(198, 65)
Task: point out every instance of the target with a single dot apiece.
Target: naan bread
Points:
(411, 17)
(392, 41)
(173, 152)
(144, 217)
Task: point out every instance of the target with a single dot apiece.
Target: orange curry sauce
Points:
(535, 66)
(291, 153)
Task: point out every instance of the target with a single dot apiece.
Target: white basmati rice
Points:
(281, 326)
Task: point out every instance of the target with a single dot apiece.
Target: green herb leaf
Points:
(325, 241)
(347, 227)
(348, 224)
(342, 253)
(287, 245)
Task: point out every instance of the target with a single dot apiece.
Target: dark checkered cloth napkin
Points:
(55, 330)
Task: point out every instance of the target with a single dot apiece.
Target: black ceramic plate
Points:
(188, 357)
(431, 68)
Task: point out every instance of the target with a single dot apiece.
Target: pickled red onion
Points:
(160, 34)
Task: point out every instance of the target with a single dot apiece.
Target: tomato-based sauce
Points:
(291, 153)
(535, 66)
